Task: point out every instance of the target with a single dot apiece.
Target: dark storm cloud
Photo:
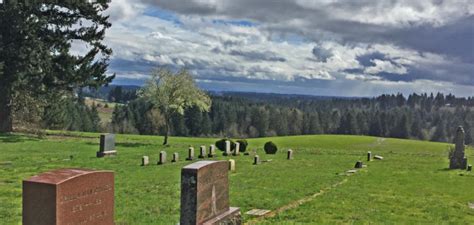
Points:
(322, 54)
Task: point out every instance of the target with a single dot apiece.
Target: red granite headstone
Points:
(205, 194)
(69, 197)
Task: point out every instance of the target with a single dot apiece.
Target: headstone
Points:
(258, 212)
(358, 165)
(227, 148)
(107, 145)
(369, 155)
(69, 196)
(457, 159)
(175, 157)
(377, 157)
(212, 151)
(289, 154)
(162, 159)
(256, 160)
(190, 154)
(231, 165)
(205, 195)
(145, 160)
(469, 167)
(237, 149)
(351, 171)
(202, 152)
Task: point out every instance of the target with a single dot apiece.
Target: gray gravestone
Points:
(202, 152)
(205, 195)
(175, 157)
(457, 159)
(190, 154)
(469, 167)
(237, 149)
(107, 145)
(377, 157)
(289, 155)
(369, 155)
(358, 165)
(227, 148)
(145, 161)
(212, 151)
(162, 159)
(256, 160)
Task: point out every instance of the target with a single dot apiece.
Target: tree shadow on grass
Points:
(14, 138)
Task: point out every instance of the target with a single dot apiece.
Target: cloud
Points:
(340, 44)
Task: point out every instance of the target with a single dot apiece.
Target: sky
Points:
(312, 47)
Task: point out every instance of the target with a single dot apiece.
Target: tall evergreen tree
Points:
(35, 43)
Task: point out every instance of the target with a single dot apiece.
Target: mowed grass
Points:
(410, 186)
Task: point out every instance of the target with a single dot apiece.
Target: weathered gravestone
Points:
(175, 157)
(162, 159)
(358, 165)
(289, 154)
(205, 195)
(212, 151)
(190, 154)
(69, 196)
(237, 149)
(369, 155)
(145, 160)
(231, 165)
(457, 160)
(227, 148)
(202, 152)
(107, 145)
(256, 160)
(469, 168)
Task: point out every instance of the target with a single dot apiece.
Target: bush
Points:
(270, 148)
(220, 144)
(243, 145)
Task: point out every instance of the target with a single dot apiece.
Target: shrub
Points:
(220, 144)
(243, 145)
(270, 148)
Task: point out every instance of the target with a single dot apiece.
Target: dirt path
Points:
(295, 204)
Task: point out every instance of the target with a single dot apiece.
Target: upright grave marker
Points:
(237, 149)
(145, 160)
(289, 155)
(107, 145)
(227, 148)
(369, 155)
(202, 152)
(212, 151)
(175, 157)
(190, 154)
(205, 195)
(162, 159)
(256, 160)
(69, 196)
(457, 160)
(231, 165)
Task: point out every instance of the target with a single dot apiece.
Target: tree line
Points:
(419, 116)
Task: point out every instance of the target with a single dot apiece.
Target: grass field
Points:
(410, 186)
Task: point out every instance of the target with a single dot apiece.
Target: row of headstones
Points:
(202, 154)
(81, 196)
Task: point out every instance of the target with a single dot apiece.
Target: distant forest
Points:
(242, 115)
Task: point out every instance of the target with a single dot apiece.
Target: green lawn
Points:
(410, 186)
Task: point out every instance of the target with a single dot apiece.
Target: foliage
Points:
(243, 145)
(220, 144)
(270, 148)
(35, 50)
(173, 93)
